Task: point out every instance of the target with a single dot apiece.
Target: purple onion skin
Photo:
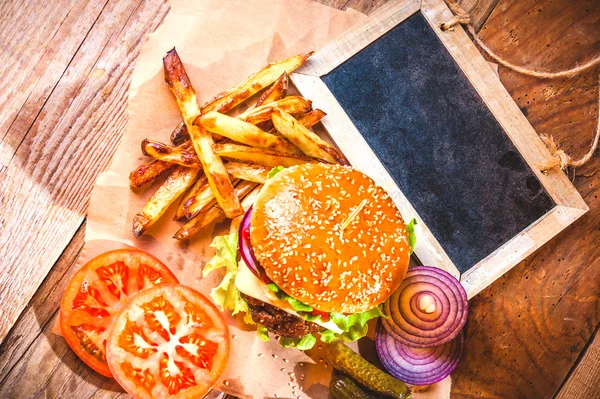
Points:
(425, 366)
(416, 329)
(246, 251)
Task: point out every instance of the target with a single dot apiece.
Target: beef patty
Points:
(279, 321)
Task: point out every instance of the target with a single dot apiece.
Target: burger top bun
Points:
(329, 237)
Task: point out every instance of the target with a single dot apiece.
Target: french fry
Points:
(290, 104)
(203, 200)
(259, 156)
(205, 219)
(248, 171)
(182, 89)
(180, 133)
(211, 215)
(256, 115)
(275, 92)
(243, 132)
(310, 144)
(247, 202)
(149, 171)
(200, 185)
(178, 181)
(229, 99)
(182, 155)
(311, 118)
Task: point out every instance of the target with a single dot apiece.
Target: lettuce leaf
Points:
(274, 171)
(226, 255)
(226, 295)
(296, 304)
(354, 325)
(262, 332)
(303, 344)
(412, 237)
(328, 336)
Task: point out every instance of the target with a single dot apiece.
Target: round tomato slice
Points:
(97, 292)
(168, 341)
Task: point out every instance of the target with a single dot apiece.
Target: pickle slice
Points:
(344, 359)
(344, 387)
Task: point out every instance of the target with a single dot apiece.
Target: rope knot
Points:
(460, 17)
(559, 157)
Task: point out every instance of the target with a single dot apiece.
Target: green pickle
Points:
(344, 387)
(344, 359)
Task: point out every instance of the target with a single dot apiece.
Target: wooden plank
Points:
(34, 60)
(585, 381)
(528, 328)
(47, 184)
(480, 10)
(41, 309)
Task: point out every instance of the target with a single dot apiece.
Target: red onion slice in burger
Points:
(246, 248)
(417, 366)
(429, 309)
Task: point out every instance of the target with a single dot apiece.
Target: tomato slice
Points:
(97, 292)
(168, 341)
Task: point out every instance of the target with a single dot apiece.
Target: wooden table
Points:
(67, 66)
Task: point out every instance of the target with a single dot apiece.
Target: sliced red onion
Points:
(417, 366)
(246, 248)
(429, 309)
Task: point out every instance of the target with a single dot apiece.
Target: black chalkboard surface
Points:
(439, 141)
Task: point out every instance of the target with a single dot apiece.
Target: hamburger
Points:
(320, 249)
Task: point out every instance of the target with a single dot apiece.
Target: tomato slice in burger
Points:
(168, 341)
(96, 293)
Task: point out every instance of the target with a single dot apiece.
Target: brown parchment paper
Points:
(220, 43)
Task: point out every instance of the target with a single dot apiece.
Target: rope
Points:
(559, 157)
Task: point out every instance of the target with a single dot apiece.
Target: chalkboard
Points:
(421, 112)
(438, 140)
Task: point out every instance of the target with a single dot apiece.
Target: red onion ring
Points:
(246, 251)
(429, 309)
(417, 366)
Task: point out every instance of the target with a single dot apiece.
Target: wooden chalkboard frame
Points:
(569, 204)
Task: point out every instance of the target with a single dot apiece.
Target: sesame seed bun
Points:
(301, 236)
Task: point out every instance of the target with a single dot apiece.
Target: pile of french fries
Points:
(217, 163)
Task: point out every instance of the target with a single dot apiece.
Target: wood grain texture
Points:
(585, 380)
(67, 139)
(480, 10)
(33, 354)
(41, 309)
(35, 60)
(526, 331)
